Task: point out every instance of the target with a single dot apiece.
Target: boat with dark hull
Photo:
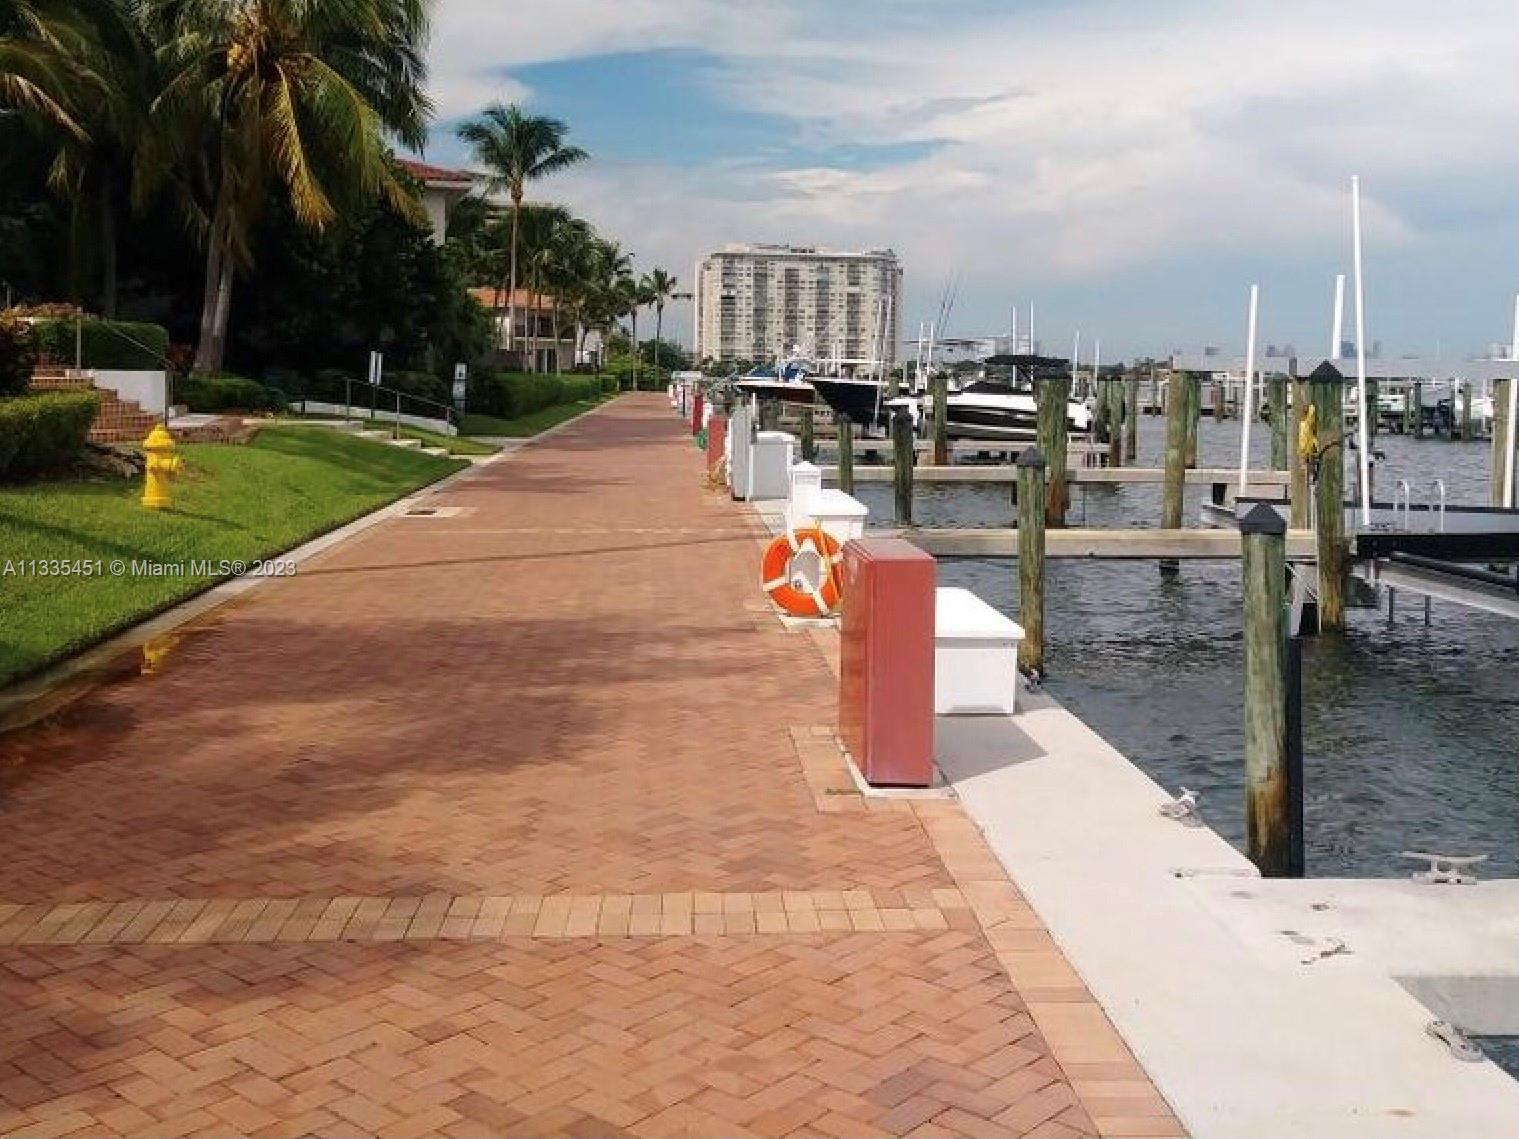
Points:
(867, 403)
(789, 383)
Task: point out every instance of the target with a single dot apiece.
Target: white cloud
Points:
(1070, 143)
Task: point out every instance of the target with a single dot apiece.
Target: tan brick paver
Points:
(524, 820)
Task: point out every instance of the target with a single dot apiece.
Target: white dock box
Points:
(975, 656)
(770, 465)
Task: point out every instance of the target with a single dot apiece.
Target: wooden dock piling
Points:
(902, 458)
(1299, 490)
(1466, 411)
(1051, 396)
(769, 415)
(846, 454)
(1413, 411)
(809, 435)
(1031, 497)
(1131, 419)
(1113, 390)
(1276, 402)
(1174, 492)
(1267, 791)
(1327, 387)
(941, 419)
(1192, 386)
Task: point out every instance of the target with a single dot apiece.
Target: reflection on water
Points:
(1411, 734)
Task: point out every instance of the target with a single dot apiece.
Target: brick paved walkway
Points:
(522, 818)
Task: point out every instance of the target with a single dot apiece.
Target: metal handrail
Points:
(1403, 493)
(395, 430)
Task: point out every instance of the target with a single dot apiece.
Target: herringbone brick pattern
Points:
(518, 821)
(826, 1035)
(414, 712)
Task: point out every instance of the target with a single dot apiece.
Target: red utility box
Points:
(886, 657)
(717, 434)
(696, 410)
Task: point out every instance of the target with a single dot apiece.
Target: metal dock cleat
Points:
(1445, 869)
(1183, 808)
(1454, 1039)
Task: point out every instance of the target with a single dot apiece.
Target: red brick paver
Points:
(516, 820)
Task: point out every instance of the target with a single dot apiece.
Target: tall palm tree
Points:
(539, 223)
(82, 74)
(44, 45)
(299, 96)
(663, 288)
(636, 293)
(516, 149)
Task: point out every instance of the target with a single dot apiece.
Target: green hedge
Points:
(509, 395)
(18, 355)
(227, 393)
(124, 344)
(45, 432)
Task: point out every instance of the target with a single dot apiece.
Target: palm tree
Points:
(516, 149)
(663, 288)
(636, 294)
(83, 75)
(43, 48)
(299, 96)
(539, 223)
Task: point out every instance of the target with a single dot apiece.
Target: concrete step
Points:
(435, 451)
(410, 444)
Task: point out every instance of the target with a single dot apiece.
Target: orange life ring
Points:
(800, 572)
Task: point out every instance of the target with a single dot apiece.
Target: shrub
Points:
(18, 354)
(128, 345)
(227, 393)
(44, 432)
(510, 395)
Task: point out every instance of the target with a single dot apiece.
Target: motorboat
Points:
(868, 403)
(1004, 406)
(788, 381)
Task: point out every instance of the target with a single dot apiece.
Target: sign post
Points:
(461, 384)
(376, 370)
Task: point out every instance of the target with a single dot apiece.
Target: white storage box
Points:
(770, 465)
(837, 513)
(975, 656)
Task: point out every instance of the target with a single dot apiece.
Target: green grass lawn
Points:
(527, 425)
(234, 503)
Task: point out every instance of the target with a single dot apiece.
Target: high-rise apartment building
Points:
(760, 302)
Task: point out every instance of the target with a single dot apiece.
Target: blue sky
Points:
(1130, 168)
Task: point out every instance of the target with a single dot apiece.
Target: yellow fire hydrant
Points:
(163, 464)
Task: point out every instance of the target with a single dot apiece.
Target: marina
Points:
(1140, 659)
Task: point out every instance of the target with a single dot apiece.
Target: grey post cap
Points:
(1262, 519)
(1326, 373)
(1031, 457)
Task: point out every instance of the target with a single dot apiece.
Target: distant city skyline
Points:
(1131, 169)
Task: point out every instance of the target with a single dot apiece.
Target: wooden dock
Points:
(1126, 545)
(1259, 481)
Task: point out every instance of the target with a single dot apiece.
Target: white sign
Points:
(376, 367)
(461, 373)
(459, 386)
